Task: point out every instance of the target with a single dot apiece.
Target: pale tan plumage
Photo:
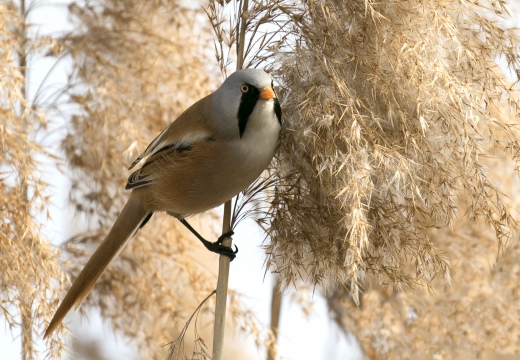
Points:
(208, 155)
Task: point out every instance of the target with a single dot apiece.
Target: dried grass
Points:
(138, 66)
(390, 108)
(28, 264)
(395, 116)
(474, 318)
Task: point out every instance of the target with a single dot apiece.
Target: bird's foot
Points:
(220, 249)
(224, 236)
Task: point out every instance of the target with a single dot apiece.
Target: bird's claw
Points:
(220, 249)
(224, 236)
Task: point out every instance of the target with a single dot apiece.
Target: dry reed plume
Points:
(28, 264)
(393, 114)
(389, 109)
(475, 317)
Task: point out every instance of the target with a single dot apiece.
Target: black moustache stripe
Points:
(247, 105)
(278, 110)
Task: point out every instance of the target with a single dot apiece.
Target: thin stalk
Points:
(25, 297)
(276, 305)
(224, 261)
(222, 287)
(241, 44)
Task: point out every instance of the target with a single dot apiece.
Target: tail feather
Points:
(132, 218)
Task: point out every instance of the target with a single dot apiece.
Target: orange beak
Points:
(267, 94)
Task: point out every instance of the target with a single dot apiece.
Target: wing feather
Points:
(193, 124)
(191, 128)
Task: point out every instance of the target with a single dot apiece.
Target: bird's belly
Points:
(210, 181)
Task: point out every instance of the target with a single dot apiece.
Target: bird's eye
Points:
(244, 88)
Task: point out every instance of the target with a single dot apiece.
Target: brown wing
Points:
(168, 153)
(190, 129)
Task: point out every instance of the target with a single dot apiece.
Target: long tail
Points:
(132, 218)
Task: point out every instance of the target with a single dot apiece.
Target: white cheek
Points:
(263, 115)
(262, 129)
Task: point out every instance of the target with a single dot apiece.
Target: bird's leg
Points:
(216, 246)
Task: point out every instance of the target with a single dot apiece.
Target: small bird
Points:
(214, 150)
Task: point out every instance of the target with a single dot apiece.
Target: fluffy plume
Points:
(28, 264)
(390, 108)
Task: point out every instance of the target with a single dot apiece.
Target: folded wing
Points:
(167, 154)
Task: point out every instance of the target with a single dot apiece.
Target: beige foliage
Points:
(28, 264)
(472, 319)
(389, 111)
(404, 140)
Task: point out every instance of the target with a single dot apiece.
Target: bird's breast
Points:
(207, 177)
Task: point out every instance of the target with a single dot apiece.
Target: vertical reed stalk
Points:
(276, 305)
(224, 261)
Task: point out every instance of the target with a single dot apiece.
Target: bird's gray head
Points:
(258, 78)
(243, 92)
